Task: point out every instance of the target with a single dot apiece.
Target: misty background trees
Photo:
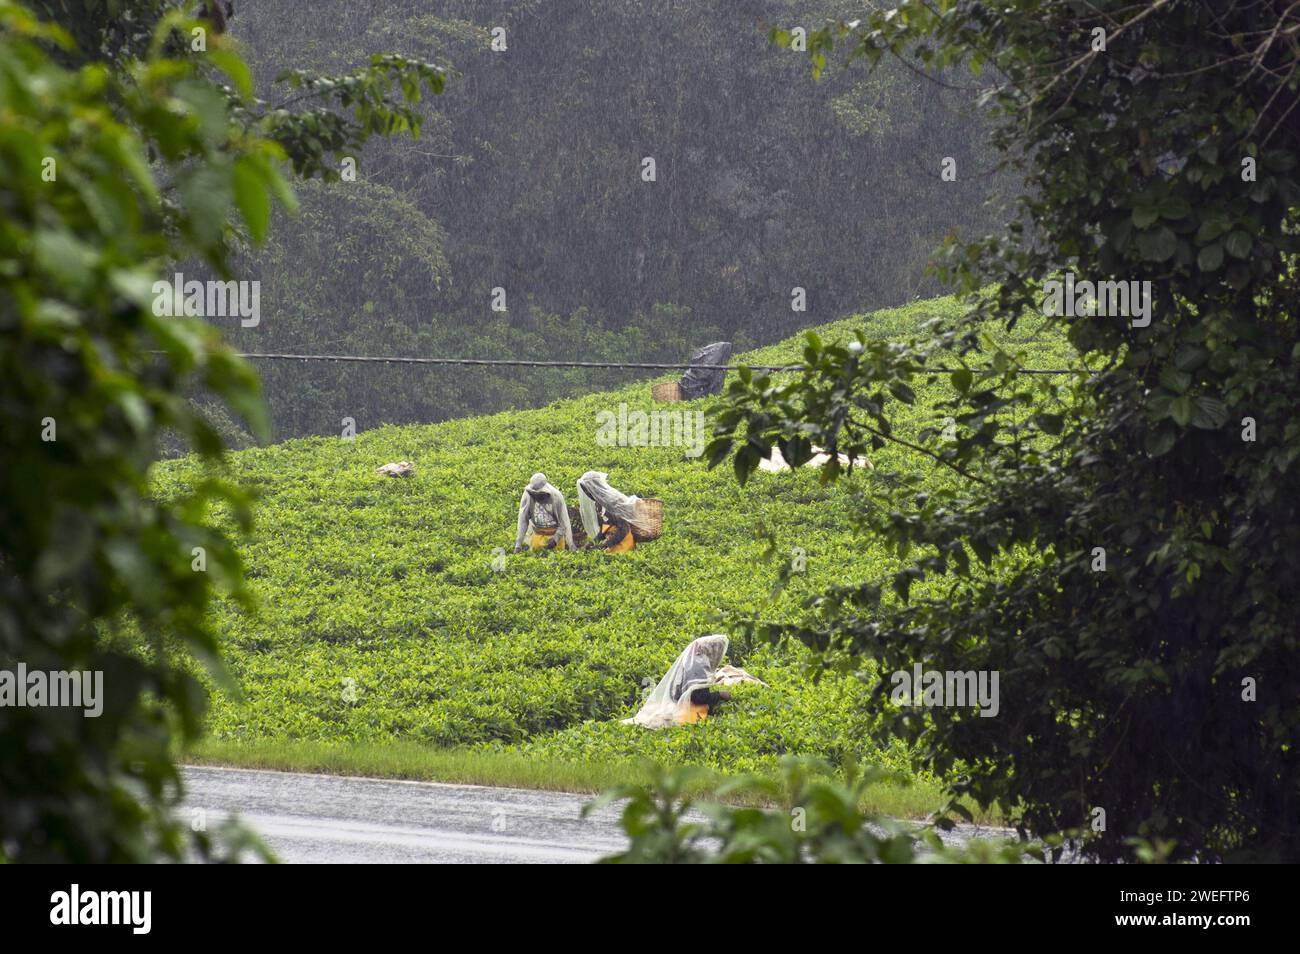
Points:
(528, 177)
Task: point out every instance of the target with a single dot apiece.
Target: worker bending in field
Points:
(685, 695)
(543, 517)
(607, 515)
(688, 691)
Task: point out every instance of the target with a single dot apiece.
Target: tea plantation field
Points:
(386, 617)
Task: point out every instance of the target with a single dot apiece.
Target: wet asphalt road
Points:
(335, 819)
(331, 819)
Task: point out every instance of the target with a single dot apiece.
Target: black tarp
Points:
(697, 382)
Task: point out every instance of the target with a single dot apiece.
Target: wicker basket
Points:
(667, 391)
(649, 519)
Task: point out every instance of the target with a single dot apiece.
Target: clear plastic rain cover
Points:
(693, 670)
(594, 491)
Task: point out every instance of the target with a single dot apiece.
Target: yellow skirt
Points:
(693, 713)
(542, 536)
(627, 543)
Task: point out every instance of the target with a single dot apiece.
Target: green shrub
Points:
(820, 820)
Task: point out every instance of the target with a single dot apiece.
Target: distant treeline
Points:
(528, 177)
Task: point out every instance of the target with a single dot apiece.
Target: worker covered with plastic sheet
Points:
(543, 517)
(608, 516)
(700, 381)
(684, 695)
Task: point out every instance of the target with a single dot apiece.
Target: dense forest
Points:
(530, 177)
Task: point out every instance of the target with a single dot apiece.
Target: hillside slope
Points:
(382, 616)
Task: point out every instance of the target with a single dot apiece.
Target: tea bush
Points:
(382, 617)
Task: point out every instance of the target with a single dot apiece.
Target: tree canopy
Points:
(1120, 545)
(118, 160)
